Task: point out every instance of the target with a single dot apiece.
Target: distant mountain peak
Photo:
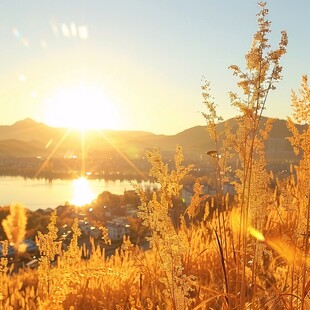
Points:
(26, 121)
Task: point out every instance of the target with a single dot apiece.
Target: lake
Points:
(42, 194)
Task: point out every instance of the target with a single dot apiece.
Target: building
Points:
(117, 228)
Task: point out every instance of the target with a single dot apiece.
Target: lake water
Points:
(41, 194)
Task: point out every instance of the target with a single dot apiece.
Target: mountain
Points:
(28, 138)
(27, 130)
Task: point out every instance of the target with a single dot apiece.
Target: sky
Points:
(137, 64)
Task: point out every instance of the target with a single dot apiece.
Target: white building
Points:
(117, 228)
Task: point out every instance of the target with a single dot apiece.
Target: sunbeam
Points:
(52, 153)
(123, 156)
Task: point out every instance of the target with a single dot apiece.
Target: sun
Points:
(81, 107)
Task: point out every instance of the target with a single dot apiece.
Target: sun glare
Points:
(81, 107)
(82, 193)
(256, 234)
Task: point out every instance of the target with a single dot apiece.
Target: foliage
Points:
(166, 241)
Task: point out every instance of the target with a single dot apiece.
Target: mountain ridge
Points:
(39, 139)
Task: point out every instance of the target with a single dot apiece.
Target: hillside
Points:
(28, 138)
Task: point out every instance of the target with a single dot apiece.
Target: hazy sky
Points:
(139, 62)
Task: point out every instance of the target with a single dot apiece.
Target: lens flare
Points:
(256, 234)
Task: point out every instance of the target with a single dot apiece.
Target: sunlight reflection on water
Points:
(82, 193)
(39, 193)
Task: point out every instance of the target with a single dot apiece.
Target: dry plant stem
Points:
(223, 266)
(306, 250)
(249, 168)
(219, 197)
(245, 207)
(301, 190)
(222, 226)
(212, 120)
(256, 92)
